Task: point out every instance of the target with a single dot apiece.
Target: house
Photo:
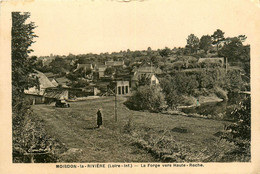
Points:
(44, 83)
(150, 77)
(146, 71)
(84, 67)
(146, 68)
(47, 60)
(88, 67)
(53, 94)
(100, 70)
(120, 88)
(114, 63)
(35, 94)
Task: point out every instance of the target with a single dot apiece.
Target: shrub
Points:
(31, 143)
(234, 81)
(147, 98)
(239, 132)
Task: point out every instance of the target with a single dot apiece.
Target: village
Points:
(105, 78)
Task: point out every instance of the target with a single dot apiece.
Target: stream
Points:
(217, 110)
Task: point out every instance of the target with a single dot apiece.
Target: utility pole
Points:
(115, 104)
(115, 97)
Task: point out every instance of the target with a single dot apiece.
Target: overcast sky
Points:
(79, 27)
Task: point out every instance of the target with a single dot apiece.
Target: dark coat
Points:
(99, 118)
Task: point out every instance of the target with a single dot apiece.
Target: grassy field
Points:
(135, 137)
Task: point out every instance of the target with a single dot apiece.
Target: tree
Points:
(192, 43)
(144, 80)
(149, 51)
(147, 98)
(205, 43)
(165, 52)
(22, 39)
(218, 37)
(110, 71)
(59, 65)
(235, 51)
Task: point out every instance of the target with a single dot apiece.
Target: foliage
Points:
(165, 52)
(234, 81)
(210, 64)
(217, 81)
(147, 98)
(143, 80)
(192, 43)
(220, 93)
(205, 43)
(235, 51)
(22, 39)
(31, 143)
(239, 132)
(110, 71)
(59, 65)
(218, 37)
(185, 84)
(28, 137)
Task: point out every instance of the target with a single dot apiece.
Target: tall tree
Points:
(205, 43)
(22, 39)
(192, 43)
(218, 37)
(234, 50)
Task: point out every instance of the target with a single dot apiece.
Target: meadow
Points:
(136, 136)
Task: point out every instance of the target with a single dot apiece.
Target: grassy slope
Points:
(75, 127)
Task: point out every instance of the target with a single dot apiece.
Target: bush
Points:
(234, 81)
(239, 132)
(147, 98)
(30, 140)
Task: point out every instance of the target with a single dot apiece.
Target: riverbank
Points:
(199, 100)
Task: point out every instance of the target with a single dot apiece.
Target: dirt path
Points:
(76, 128)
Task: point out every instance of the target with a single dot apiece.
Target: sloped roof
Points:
(54, 82)
(49, 74)
(43, 80)
(58, 94)
(84, 66)
(62, 81)
(87, 65)
(137, 76)
(100, 67)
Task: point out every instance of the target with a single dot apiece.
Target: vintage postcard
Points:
(130, 86)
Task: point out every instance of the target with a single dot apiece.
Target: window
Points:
(126, 89)
(123, 90)
(119, 90)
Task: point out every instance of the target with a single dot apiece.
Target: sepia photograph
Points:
(142, 81)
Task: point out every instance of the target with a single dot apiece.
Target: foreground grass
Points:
(135, 137)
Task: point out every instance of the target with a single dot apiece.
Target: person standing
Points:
(99, 118)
